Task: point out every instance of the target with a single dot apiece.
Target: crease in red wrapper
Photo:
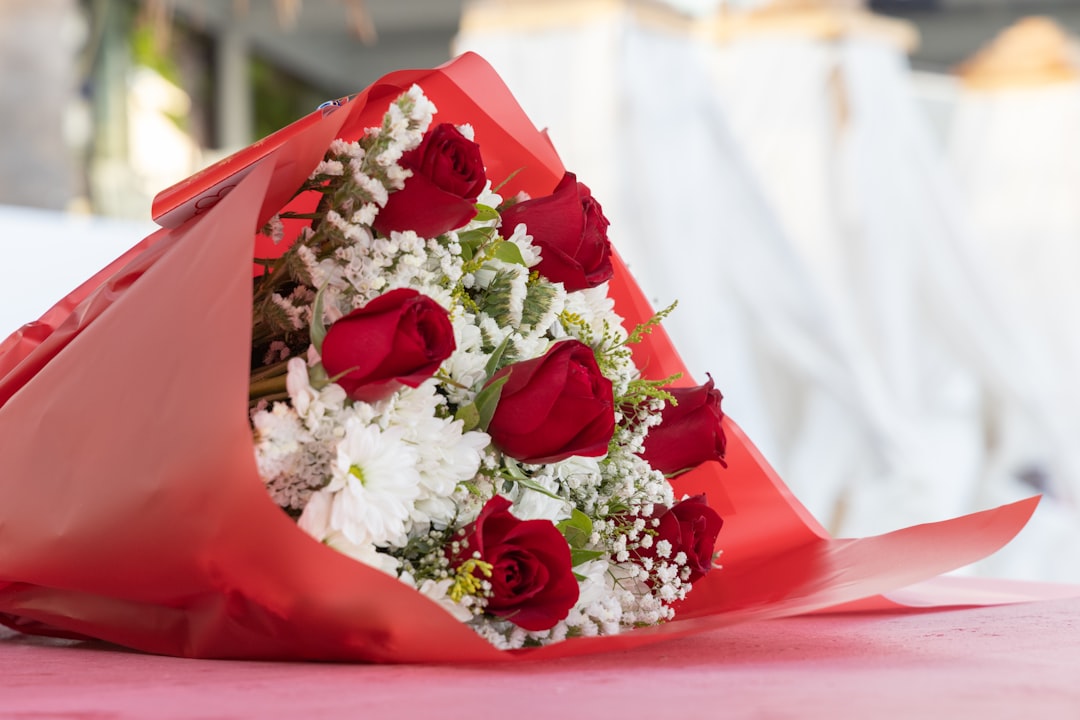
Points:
(130, 506)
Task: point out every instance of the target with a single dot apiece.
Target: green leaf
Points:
(471, 241)
(473, 490)
(577, 529)
(513, 469)
(496, 356)
(469, 416)
(318, 378)
(484, 213)
(487, 399)
(579, 556)
(509, 252)
(318, 327)
(535, 486)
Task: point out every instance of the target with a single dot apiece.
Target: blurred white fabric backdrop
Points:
(628, 100)
(1015, 151)
(787, 188)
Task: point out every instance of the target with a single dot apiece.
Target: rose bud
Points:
(570, 229)
(554, 406)
(691, 526)
(447, 177)
(689, 433)
(399, 338)
(532, 580)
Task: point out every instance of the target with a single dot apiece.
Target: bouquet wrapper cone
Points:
(130, 506)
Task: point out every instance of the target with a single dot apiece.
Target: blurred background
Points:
(868, 213)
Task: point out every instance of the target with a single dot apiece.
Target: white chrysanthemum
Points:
(531, 346)
(495, 333)
(437, 590)
(448, 465)
(595, 307)
(466, 366)
(531, 504)
(445, 455)
(530, 253)
(375, 484)
(366, 553)
(315, 521)
(489, 197)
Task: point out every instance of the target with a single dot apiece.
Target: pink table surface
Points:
(1005, 661)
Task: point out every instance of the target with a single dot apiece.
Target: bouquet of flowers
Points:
(443, 390)
(442, 373)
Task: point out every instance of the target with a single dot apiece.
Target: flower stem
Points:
(267, 386)
(270, 370)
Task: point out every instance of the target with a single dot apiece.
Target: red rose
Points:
(570, 229)
(532, 580)
(689, 433)
(447, 176)
(400, 337)
(691, 526)
(554, 406)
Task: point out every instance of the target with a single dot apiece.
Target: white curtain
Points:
(631, 109)
(832, 133)
(1016, 154)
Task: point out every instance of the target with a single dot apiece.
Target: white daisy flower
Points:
(375, 484)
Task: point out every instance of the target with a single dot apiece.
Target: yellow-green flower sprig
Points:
(466, 582)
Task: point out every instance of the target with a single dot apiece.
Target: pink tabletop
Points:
(1005, 661)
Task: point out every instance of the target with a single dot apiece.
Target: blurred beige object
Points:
(528, 15)
(1032, 52)
(820, 19)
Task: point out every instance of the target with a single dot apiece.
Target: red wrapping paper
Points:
(130, 506)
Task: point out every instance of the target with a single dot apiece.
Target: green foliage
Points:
(508, 252)
(478, 413)
(318, 325)
(646, 327)
(496, 299)
(640, 391)
(577, 529)
(494, 362)
(485, 213)
(539, 297)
